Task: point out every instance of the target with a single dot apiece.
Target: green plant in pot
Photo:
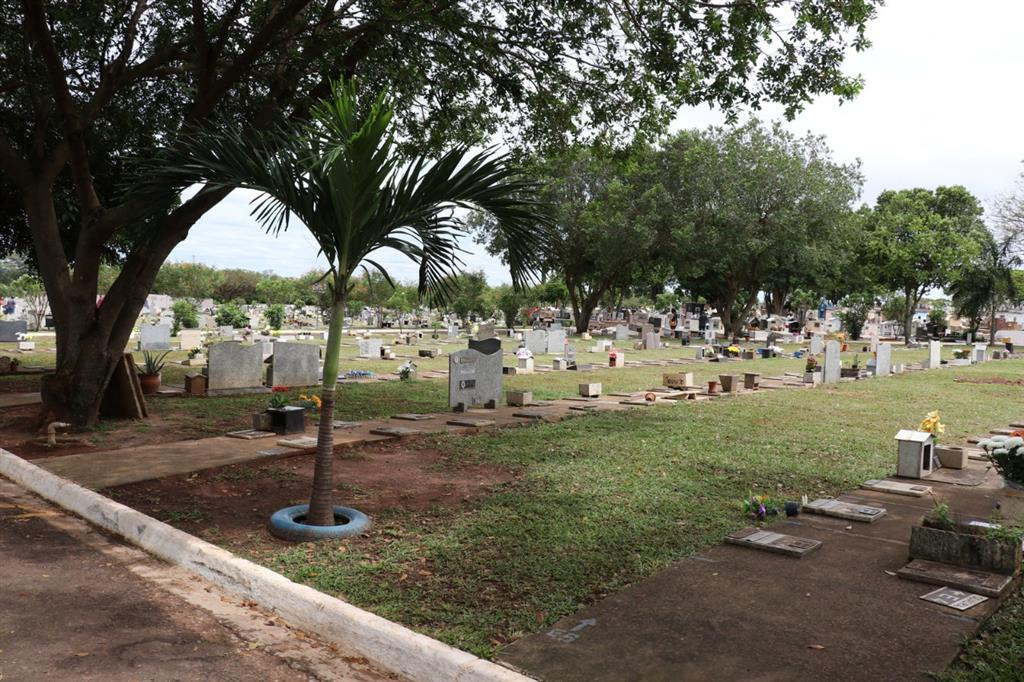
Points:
(149, 371)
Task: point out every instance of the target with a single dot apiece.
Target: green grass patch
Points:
(605, 500)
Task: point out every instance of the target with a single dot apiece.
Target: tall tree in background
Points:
(986, 282)
(919, 239)
(742, 200)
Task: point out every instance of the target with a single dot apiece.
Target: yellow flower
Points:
(932, 424)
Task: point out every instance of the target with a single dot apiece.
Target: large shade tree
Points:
(921, 239)
(344, 179)
(90, 86)
(746, 199)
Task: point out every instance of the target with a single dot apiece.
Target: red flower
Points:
(279, 389)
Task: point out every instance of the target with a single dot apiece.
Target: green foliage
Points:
(854, 311)
(275, 315)
(920, 239)
(186, 315)
(937, 317)
(153, 363)
(11, 268)
(231, 315)
(469, 295)
(753, 207)
(986, 282)
(276, 289)
(237, 285)
(188, 280)
(32, 290)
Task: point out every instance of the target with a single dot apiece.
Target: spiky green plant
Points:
(343, 177)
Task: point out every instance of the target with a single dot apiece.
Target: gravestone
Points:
(267, 348)
(832, 364)
(474, 378)
(569, 355)
(486, 331)
(817, 341)
(453, 331)
(486, 346)
(155, 337)
(844, 510)
(226, 331)
(651, 341)
(190, 338)
(536, 341)
(874, 344)
(934, 354)
(9, 330)
(779, 543)
(294, 364)
(369, 348)
(556, 342)
(883, 360)
(760, 335)
(621, 332)
(234, 367)
(978, 354)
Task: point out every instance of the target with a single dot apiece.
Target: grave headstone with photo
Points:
(474, 378)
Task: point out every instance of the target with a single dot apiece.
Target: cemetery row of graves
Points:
(585, 506)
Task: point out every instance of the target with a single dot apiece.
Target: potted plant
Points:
(149, 371)
(760, 507)
(285, 419)
(1007, 453)
(812, 375)
(949, 456)
(969, 543)
(853, 371)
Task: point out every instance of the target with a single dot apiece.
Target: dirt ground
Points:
(75, 606)
(1001, 381)
(234, 502)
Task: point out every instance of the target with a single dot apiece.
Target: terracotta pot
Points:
(150, 383)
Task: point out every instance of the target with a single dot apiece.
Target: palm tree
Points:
(341, 175)
(985, 283)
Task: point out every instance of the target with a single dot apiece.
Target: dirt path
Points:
(75, 604)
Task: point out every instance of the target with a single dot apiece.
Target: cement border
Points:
(384, 643)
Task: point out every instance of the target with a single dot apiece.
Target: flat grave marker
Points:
(768, 541)
(954, 599)
(250, 434)
(470, 422)
(301, 442)
(896, 488)
(395, 431)
(412, 417)
(844, 510)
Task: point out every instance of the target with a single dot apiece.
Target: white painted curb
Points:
(385, 644)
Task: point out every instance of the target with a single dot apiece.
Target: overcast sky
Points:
(942, 105)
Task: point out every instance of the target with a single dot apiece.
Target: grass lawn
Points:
(604, 500)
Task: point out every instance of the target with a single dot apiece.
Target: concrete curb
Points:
(385, 644)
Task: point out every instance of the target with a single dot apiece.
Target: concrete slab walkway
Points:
(735, 613)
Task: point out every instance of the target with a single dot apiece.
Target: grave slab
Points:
(896, 488)
(536, 416)
(470, 422)
(301, 442)
(844, 510)
(412, 417)
(934, 573)
(954, 599)
(395, 431)
(250, 434)
(338, 424)
(769, 541)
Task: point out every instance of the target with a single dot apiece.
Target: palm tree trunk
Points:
(321, 501)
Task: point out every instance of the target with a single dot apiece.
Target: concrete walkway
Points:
(76, 605)
(732, 613)
(117, 467)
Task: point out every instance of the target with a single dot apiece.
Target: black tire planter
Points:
(287, 524)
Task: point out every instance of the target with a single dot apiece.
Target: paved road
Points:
(76, 605)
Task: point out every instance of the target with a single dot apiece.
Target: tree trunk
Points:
(321, 500)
